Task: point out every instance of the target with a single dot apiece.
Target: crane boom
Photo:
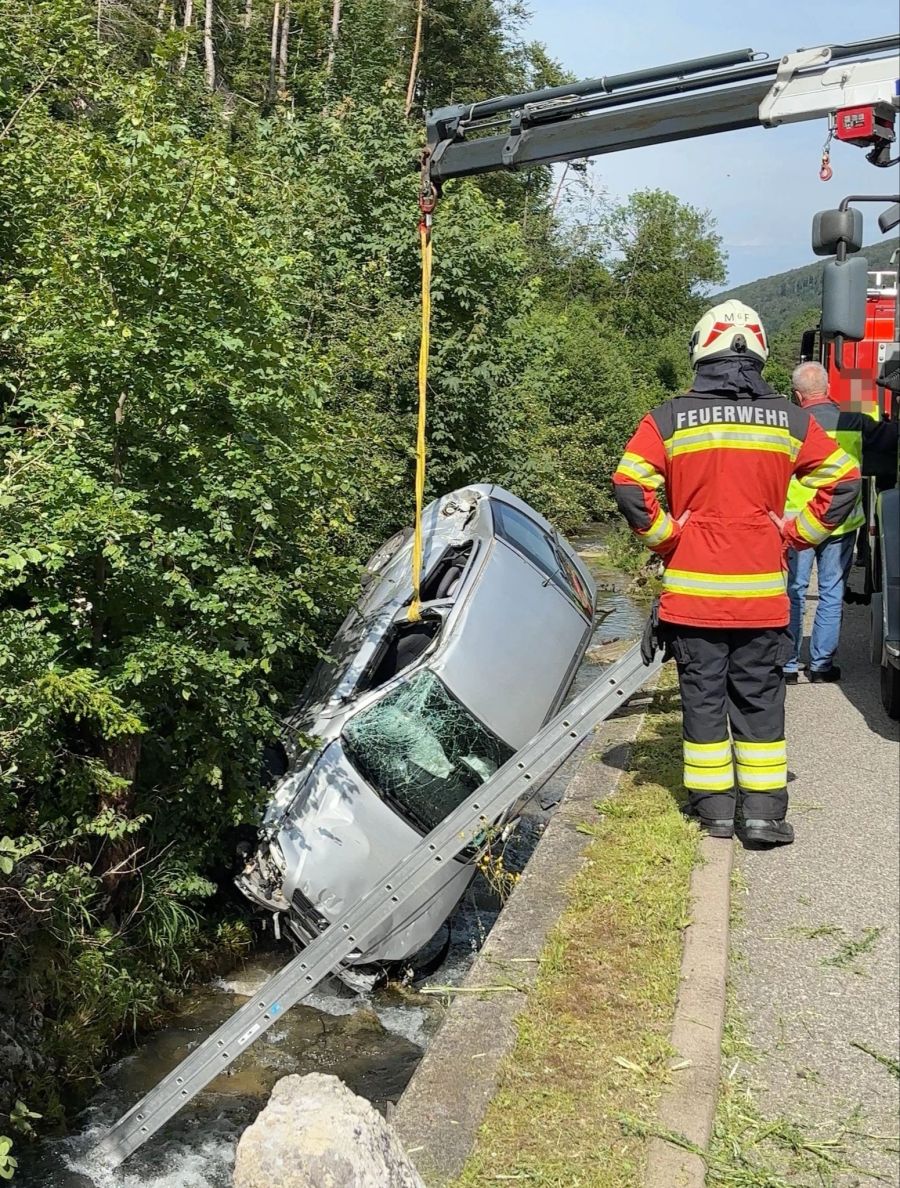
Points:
(666, 103)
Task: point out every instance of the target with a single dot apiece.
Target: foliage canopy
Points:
(208, 330)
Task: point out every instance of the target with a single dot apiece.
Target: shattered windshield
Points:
(422, 750)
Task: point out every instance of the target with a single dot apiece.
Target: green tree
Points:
(665, 256)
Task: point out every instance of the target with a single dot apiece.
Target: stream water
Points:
(373, 1043)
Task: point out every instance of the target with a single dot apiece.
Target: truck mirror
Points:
(831, 228)
(889, 371)
(807, 346)
(888, 219)
(844, 285)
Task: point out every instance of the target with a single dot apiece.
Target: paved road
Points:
(841, 874)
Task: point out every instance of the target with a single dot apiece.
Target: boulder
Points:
(315, 1133)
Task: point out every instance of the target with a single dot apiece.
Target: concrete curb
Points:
(688, 1105)
(440, 1112)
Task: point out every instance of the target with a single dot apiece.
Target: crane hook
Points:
(826, 172)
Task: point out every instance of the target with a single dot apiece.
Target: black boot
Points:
(826, 675)
(766, 833)
(715, 827)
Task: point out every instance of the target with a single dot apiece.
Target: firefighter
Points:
(873, 445)
(724, 453)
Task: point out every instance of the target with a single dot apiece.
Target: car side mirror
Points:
(888, 219)
(844, 285)
(832, 228)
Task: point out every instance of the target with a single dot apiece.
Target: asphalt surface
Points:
(816, 949)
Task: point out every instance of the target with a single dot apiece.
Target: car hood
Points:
(337, 837)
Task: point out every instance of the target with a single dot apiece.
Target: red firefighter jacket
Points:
(728, 460)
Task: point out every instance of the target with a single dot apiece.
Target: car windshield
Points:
(421, 750)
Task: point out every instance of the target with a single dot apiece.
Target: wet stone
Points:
(315, 1133)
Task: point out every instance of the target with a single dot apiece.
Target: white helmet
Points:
(731, 330)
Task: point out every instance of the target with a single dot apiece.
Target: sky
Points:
(761, 184)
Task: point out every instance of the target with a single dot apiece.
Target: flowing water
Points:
(372, 1042)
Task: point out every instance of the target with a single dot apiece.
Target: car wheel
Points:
(890, 690)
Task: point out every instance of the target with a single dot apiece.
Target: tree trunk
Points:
(208, 51)
(273, 49)
(186, 24)
(248, 13)
(121, 756)
(283, 51)
(161, 14)
(335, 33)
(414, 62)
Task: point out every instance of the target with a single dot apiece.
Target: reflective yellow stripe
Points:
(760, 752)
(708, 779)
(661, 529)
(832, 470)
(716, 580)
(693, 592)
(708, 766)
(723, 585)
(706, 754)
(640, 472)
(639, 463)
(810, 527)
(762, 779)
(759, 446)
(761, 766)
(769, 438)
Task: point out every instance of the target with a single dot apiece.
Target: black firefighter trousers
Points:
(733, 677)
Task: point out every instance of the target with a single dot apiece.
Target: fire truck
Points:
(852, 372)
(858, 342)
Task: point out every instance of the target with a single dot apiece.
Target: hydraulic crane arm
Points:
(854, 86)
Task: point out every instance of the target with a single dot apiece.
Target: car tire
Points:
(890, 690)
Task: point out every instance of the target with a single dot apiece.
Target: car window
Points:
(526, 536)
(531, 540)
(333, 666)
(421, 750)
(574, 586)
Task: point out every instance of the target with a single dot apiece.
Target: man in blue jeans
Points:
(854, 433)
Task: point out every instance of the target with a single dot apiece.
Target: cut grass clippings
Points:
(750, 1150)
(593, 1039)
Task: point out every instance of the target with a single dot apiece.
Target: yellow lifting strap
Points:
(415, 613)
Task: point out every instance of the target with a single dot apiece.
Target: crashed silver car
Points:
(408, 719)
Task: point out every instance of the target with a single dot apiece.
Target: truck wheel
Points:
(890, 690)
(876, 627)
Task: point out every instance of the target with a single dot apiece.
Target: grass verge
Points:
(593, 1039)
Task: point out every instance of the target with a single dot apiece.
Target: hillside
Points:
(782, 297)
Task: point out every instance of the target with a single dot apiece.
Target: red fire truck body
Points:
(852, 385)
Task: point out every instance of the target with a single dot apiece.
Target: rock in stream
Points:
(315, 1133)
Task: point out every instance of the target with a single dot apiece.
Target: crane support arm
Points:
(666, 103)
